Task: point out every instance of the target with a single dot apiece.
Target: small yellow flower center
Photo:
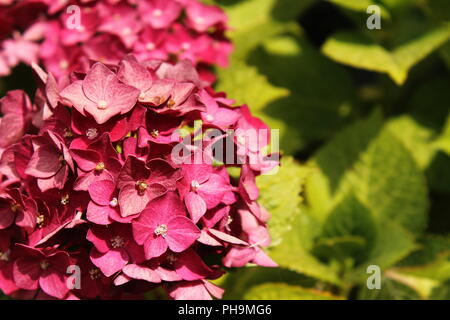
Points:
(142, 186)
(4, 256)
(67, 133)
(15, 207)
(117, 242)
(171, 258)
(102, 105)
(94, 274)
(170, 103)
(195, 185)
(114, 202)
(157, 100)
(154, 133)
(40, 221)
(161, 230)
(100, 166)
(45, 264)
(65, 199)
(141, 96)
(91, 133)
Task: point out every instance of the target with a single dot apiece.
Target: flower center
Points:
(126, 31)
(157, 100)
(102, 105)
(186, 46)
(44, 265)
(161, 230)
(117, 242)
(4, 256)
(170, 103)
(142, 186)
(141, 96)
(91, 133)
(15, 207)
(195, 185)
(171, 258)
(94, 273)
(63, 64)
(157, 12)
(100, 166)
(154, 133)
(65, 199)
(40, 221)
(114, 202)
(150, 46)
(199, 20)
(67, 133)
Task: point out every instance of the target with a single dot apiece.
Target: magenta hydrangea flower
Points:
(108, 31)
(162, 225)
(88, 178)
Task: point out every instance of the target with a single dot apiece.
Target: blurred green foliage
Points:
(365, 135)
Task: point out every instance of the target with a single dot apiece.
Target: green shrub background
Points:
(365, 136)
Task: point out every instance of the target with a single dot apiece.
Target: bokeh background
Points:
(365, 137)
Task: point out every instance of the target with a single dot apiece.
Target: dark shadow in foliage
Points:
(322, 20)
(429, 104)
(227, 2)
(285, 10)
(21, 77)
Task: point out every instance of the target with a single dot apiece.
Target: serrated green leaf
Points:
(280, 195)
(282, 291)
(388, 181)
(417, 138)
(294, 252)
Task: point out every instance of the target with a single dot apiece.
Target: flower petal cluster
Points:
(88, 180)
(66, 35)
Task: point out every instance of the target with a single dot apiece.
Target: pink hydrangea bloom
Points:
(100, 188)
(107, 31)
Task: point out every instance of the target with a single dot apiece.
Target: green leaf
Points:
(388, 181)
(282, 291)
(393, 243)
(294, 252)
(360, 5)
(254, 21)
(349, 231)
(315, 86)
(247, 86)
(280, 195)
(379, 170)
(417, 138)
(239, 281)
(358, 51)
